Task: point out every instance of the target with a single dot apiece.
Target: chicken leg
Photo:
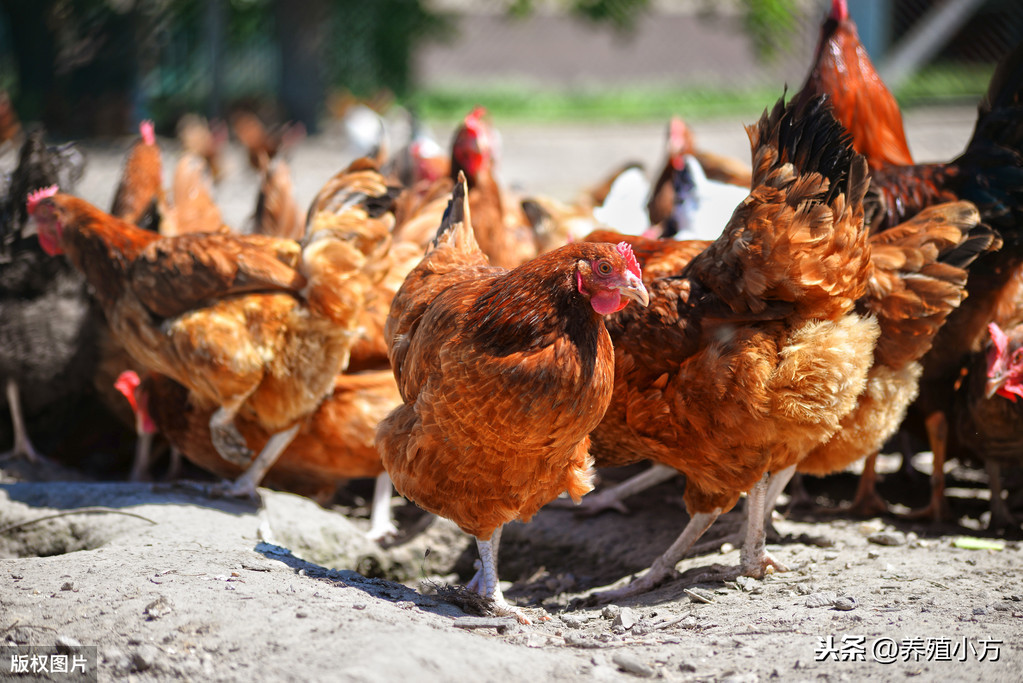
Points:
(754, 558)
(228, 441)
(611, 498)
(1001, 516)
(485, 581)
(937, 433)
(664, 566)
(381, 522)
(22, 444)
(245, 485)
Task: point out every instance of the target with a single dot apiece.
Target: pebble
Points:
(158, 608)
(579, 640)
(572, 620)
(68, 586)
(502, 624)
(979, 611)
(629, 663)
(66, 643)
(626, 618)
(610, 611)
(873, 554)
(888, 538)
(845, 604)
(687, 667)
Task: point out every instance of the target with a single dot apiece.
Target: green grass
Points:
(934, 85)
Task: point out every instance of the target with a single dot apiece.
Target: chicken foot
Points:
(22, 443)
(611, 498)
(245, 485)
(381, 521)
(664, 566)
(485, 581)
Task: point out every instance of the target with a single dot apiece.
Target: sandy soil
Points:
(169, 584)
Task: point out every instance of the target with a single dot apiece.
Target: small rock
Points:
(747, 584)
(610, 611)
(873, 554)
(689, 622)
(727, 548)
(805, 588)
(979, 611)
(572, 620)
(629, 663)
(160, 607)
(65, 644)
(145, 658)
(687, 667)
(580, 640)
(359, 605)
(301, 615)
(68, 586)
(824, 599)
(502, 624)
(845, 604)
(888, 538)
(1003, 607)
(626, 618)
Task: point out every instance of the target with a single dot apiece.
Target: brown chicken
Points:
(139, 198)
(863, 104)
(333, 444)
(755, 352)
(193, 207)
(204, 140)
(503, 374)
(253, 326)
(277, 211)
(263, 144)
(502, 229)
(988, 174)
(920, 274)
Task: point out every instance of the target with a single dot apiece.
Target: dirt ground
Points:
(169, 584)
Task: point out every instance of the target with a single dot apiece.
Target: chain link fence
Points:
(91, 67)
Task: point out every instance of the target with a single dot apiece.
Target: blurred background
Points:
(94, 68)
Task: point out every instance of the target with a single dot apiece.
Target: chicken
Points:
(755, 352)
(139, 198)
(988, 173)
(684, 202)
(49, 337)
(277, 212)
(502, 228)
(193, 207)
(333, 444)
(503, 374)
(989, 417)
(920, 274)
(390, 265)
(842, 69)
(263, 144)
(251, 325)
(204, 140)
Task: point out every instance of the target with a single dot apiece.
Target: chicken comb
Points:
(39, 195)
(625, 249)
(127, 382)
(1000, 339)
(147, 132)
(839, 10)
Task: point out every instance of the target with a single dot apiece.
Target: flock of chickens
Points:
(483, 352)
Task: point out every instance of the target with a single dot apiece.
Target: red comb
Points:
(127, 382)
(839, 10)
(147, 132)
(35, 197)
(625, 249)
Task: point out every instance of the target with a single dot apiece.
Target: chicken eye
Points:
(604, 268)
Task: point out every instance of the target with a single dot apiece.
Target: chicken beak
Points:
(993, 384)
(634, 289)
